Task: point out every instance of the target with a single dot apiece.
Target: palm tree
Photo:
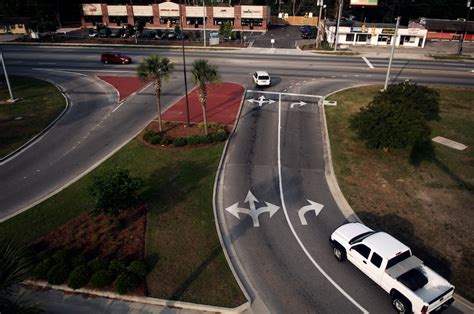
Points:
(158, 69)
(203, 73)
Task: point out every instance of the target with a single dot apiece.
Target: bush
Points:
(60, 256)
(118, 266)
(389, 126)
(102, 278)
(79, 277)
(97, 264)
(78, 260)
(166, 140)
(114, 190)
(41, 270)
(204, 139)
(126, 282)
(180, 142)
(119, 224)
(148, 135)
(156, 139)
(58, 274)
(193, 140)
(218, 136)
(138, 268)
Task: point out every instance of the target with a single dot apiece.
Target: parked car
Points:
(116, 33)
(104, 32)
(261, 78)
(309, 33)
(115, 57)
(307, 28)
(168, 35)
(413, 286)
(93, 33)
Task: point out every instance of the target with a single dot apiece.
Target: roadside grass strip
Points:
(181, 246)
(40, 103)
(424, 197)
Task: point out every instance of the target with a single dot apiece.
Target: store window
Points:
(118, 19)
(363, 37)
(143, 20)
(350, 37)
(173, 20)
(251, 22)
(93, 19)
(220, 21)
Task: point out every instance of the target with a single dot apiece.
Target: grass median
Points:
(40, 103)
(181, 240)
(425, 200)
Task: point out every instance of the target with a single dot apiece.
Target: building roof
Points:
(438, 25)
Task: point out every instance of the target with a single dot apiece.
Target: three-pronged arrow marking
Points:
(300, 103)
(312, 206)
(261, 101)
(253, 212)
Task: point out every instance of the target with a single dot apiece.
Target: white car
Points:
(261, 78)
(413, 286)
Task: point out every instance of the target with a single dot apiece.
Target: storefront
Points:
(117, 15)
(169, 14)
(92, 14)
(195, 16)
(223, 15)
(143, 14)
(251, 16)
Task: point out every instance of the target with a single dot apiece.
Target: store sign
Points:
(92, 9)
(388, 31)
(168, 9)
(142, 10)
(414, 31)
(356, 30)
(223, 12)
(364, 2)
(194, 11)
(252, 11)
(117, 10)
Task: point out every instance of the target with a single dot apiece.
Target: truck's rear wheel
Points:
(339, 252)
(401, 305)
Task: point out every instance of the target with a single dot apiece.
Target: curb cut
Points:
(36, 137)
(336, 192)
(139, 299)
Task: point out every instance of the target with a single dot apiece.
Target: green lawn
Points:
(425, 200)
(181, 239)
(40, 103)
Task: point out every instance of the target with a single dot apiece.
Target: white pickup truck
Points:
(413, 286)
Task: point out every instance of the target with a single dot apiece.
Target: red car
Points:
(115, 57)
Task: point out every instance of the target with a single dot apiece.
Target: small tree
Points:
(204, 73)
(114, 190)
(226, 30)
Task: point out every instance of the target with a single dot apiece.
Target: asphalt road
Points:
(276, 154)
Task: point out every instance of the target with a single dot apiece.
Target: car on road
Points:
(115, 57)
(261, 78)
(413, 286)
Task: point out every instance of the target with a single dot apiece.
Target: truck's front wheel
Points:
(339, 253)
(401, 305)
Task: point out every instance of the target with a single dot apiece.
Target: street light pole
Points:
(394, 42)
(6, 78)
(188, 122)
(339, 13)
(204, 21)
(318, 36)
(463, 35)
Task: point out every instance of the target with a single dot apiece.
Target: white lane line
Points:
(47, 63)
(287, 94)
(280, 181)
(120, 104)
(368, 62)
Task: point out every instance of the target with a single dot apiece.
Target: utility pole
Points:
(339, 13)
(394, 42)
(318, 36)
(12, 99)
(463, 35)
(204, 21)
(188, 122)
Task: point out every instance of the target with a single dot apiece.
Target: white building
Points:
(377, 35)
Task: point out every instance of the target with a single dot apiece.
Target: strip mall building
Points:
(167, 15)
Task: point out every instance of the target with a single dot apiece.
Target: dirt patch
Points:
(102, 235)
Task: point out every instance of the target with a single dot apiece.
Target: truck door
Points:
(359, 255)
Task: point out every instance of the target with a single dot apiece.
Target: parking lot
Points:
(284, 36)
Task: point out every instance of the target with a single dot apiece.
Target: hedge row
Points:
(75, 270)
(155, 138)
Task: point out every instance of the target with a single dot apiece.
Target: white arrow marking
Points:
(300, 103)
(253, 212)
(312, 206)
(261, 101)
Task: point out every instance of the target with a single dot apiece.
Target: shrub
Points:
(119, 224)
(218, 136)
(60, 256)
(148, 135)
(389, 126)
(97, 264)
(41, 270)
(58, 274)
(102, 278)
(78, 260)
(79, 277)
(156, 139)
(180, 142)
(166, 140)
(193, 140)
(118, 266)
(126, 282)
(114, 190)
(138, 268)
(204, 139)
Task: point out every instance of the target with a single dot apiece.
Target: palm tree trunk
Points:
(203, 98)
(158, 102)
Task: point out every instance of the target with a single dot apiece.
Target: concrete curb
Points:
(334, 186)
(31, 141)
(139, 299)
(231, 262)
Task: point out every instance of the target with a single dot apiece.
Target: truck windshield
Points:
(397, 259)
(360, 237)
